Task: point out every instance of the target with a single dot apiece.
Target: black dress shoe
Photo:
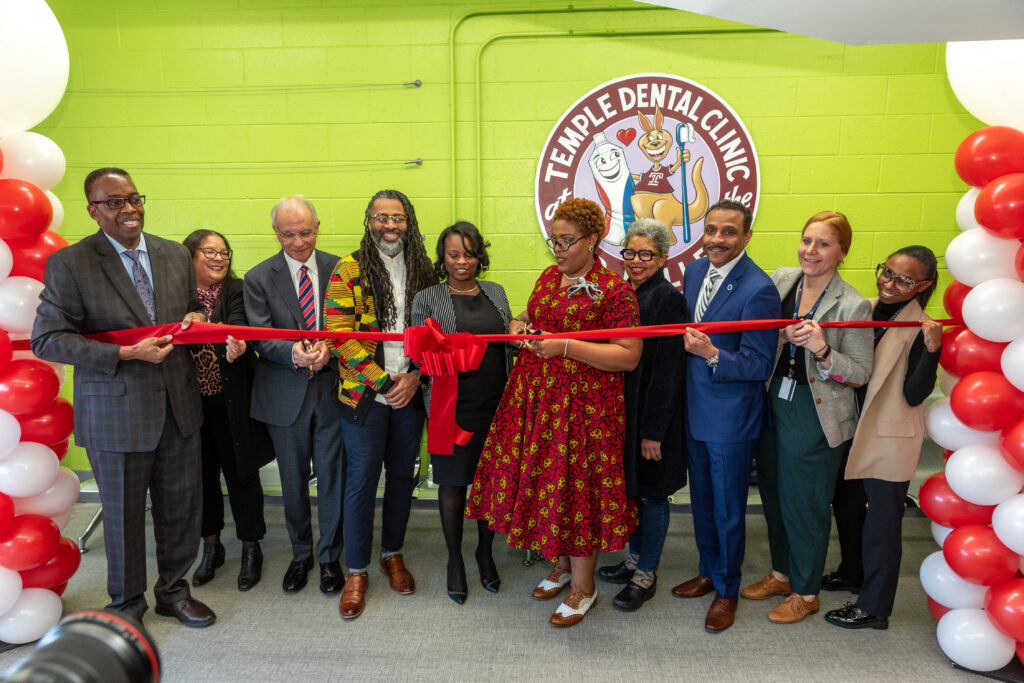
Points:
(189, 611)
(835, 582)
(633, 596)
(616, 573)
(488, 572)
(252, 567)
(851, 616)
(457, 580)
(213, 557)
(295, 577)
(331, 577)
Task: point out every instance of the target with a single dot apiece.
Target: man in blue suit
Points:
(726, 401)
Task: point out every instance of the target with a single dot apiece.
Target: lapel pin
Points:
(729, 288)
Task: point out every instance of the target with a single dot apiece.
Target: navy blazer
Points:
(730, 404)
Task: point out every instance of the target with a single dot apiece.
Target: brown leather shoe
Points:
(794, 609)
(721, 614)
(694, 588)
(766, 588)
(399, 578)
(189, 611)
(572, 610)
(557, 579)
(352, 596)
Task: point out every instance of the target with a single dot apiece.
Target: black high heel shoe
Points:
(488, 572)
(457, 583)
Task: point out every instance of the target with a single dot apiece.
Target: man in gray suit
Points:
(137, 408)
(298, 402)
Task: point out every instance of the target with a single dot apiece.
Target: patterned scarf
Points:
(208, 297)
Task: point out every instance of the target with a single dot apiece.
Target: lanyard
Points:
(796, 316)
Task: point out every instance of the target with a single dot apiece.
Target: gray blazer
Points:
(270, 301)
(119, 405)
(436, 302)
(852, 353)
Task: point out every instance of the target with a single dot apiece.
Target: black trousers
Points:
(245, 494)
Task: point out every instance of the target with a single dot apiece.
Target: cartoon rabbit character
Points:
(653, 196)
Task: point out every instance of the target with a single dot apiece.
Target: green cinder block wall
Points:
(220, 107)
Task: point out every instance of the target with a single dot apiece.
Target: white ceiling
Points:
(872, 22)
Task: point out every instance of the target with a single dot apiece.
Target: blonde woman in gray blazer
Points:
(814, 414)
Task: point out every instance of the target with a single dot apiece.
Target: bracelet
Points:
(566, 349)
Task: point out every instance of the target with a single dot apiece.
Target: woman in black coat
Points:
(654, 460)
(231, 441)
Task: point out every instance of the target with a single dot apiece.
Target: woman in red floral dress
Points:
(550, 475)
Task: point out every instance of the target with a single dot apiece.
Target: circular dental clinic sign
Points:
(648, 146)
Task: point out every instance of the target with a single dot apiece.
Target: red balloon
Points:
(56, 570)
(27, 386)
(60, 588)
(30, 255)
(1011, 444)
(953, 300)
(6, 511)
(1018, 262)
(28, 541)
(964, 352)
(986, 154)
(1020, 652)
(937, 609)
(975, 553)
(49, 426)
(945, 453)
(61, 449)
(943, 506)
(1004, 605)
(6, 349)
(25, 210)
(986, 400)
(999, 207)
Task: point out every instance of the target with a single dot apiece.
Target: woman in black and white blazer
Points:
(461, 303)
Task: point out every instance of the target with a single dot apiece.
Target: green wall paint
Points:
(220, 107)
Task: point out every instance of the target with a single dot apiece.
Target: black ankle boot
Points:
(252, 567)
(213, 557)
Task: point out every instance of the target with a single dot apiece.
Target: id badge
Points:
(787, 388)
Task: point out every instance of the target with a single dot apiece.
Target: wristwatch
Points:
(824, 354)
(712, 362)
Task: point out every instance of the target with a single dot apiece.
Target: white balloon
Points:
(975, 256)
(980, 474)
(28, 471)
(36, 612)
(1012, 363)
(10, 433)
(949, 432)
(940, 532)
(947, 381)
(1008, 523)
(994, 310)
(968, 637)
(965, 210)
(54, 501)
(62, 519)
(6, 260)
(19, 297)
(987, 79)
(32, 157)
(58, 212)
(944, 586)
(10, 588)
(36, 65)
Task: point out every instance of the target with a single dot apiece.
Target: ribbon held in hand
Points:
(443, 357)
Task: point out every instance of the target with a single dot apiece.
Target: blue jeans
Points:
(388, 438)
(649, 537)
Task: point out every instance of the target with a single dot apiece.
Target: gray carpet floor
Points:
(266, 635)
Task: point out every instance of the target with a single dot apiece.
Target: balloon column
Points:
(36, 493)
(974, 583)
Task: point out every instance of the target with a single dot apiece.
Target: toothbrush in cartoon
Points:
(684, 134)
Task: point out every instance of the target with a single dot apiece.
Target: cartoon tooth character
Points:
(614, 186)
(653, 196)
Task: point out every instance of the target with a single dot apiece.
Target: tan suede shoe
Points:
(766, 588)
(794, 609)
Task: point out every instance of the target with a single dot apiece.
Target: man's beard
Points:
(388, 248)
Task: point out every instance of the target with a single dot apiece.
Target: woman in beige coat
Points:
(869, 503)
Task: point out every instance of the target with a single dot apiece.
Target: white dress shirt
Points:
(293, 268)
(723, 272)
(395, 361)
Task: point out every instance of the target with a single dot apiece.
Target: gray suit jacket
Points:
(119, 405)
(270, 301)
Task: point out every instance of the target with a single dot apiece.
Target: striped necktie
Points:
(306, 302)
(706, 294)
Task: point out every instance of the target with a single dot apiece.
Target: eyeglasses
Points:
(289, 236)
(118, 202)
(902, 282)
(642, 254)
(563, 243)
(214, 253)
(384, 219)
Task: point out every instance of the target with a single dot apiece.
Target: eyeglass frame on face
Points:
(289, 236)
(639, 254)
(563, 243)
(384, 219)
(900, 281)
(117, 203)
(211, 253)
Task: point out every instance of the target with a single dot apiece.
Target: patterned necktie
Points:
(306, 302)
(142, 283)
(705, 294)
